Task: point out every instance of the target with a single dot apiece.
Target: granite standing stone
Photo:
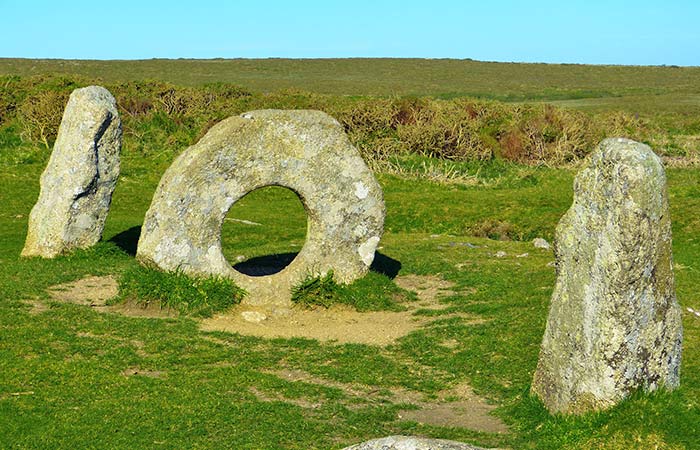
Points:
(614, 323)
(77, 184)
(305, 151)
(412, 443)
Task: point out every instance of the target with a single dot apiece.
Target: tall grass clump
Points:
(373, 292)
(194, 296)
(316, 291)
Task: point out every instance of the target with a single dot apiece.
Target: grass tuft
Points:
(373, 292)
(199, 297)
(313, 292)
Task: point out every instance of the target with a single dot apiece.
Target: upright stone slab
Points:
(305, 151)
(614, 323)
(77, 184)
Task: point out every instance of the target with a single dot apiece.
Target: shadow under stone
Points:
(261, 266)
(385, 265)
(128, 240)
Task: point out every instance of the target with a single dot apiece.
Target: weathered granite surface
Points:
(305, 151)
(411, 443)
(614, 324)
(77, 184)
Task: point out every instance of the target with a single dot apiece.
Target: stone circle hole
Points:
(264, 231)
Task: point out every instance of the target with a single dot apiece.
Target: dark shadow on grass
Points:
(261, 266)
(128, 240)
(385, 265)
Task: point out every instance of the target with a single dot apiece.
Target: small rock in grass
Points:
(253, 316)
(541, 243)
(281, 311)
(501, 254)
(522, 255)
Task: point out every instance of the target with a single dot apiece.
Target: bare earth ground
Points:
(339, 324)
(95, 292)
(456, 407)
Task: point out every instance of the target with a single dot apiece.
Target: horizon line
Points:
(221, 58)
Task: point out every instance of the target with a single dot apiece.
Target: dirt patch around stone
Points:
(136, 371)
(267, 397)
(428, 288)
(89, 291)
(95, 292)
(456, 407)
(37, 307)
(341, 324)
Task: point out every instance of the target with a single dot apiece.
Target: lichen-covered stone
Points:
(305, 151)
(411, 443)
(77, 184)
(614, 324)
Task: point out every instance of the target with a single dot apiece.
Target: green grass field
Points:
(70, 375)
(75, 377)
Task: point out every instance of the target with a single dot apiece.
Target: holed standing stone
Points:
(614, 323)
(77, 184)
(305, 151)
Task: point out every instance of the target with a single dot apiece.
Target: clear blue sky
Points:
(592, 32)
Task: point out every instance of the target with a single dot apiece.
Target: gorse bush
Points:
(163, 119)
(41, 115)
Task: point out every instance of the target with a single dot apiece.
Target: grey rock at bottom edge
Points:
(411, 443)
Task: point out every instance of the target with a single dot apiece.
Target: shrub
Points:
(41, 115)
(444, 130)
(162, 119)
(494, 229)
